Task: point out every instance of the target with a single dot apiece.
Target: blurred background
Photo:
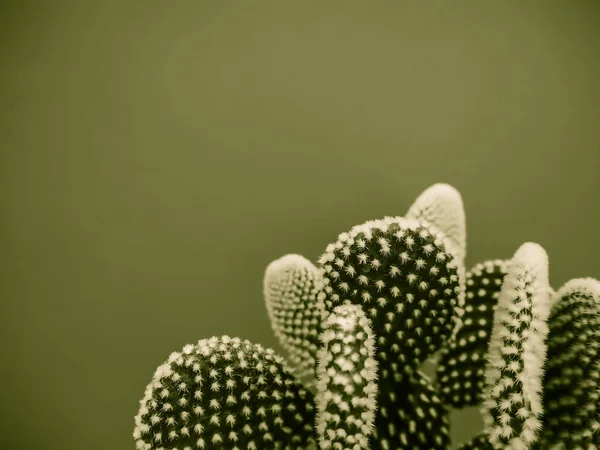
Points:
(156, 156)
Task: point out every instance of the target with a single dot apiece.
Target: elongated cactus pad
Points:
(291, 287)
(460, 371)
(441, 205)
(224, 393)
(407, 283)
(512, 400)
(347, 380)
(572, 378)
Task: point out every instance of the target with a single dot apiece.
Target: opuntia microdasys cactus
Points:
(512, 398)
(568, 402)
(358, 324)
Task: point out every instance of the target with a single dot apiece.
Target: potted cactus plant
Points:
(357, 325)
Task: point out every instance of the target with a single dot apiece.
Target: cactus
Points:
(224, 393)
(357, 325)
(572, 377)
(441, 205)
(347, 373)
(401, 273)
(517, 351)
(461, 365)
(570, 382)
(291, 287)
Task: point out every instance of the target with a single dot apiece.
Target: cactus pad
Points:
(460, 371)
(572, 378)
(400, 272)
(347, 380)
(224, 393)
(411, 416)
(291, 287)
(441, 205)
(512, 401)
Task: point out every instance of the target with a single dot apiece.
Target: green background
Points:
(156, 156)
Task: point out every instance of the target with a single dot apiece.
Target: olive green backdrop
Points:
(156, 156)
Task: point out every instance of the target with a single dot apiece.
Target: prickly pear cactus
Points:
(224, 393)
(384, 297)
